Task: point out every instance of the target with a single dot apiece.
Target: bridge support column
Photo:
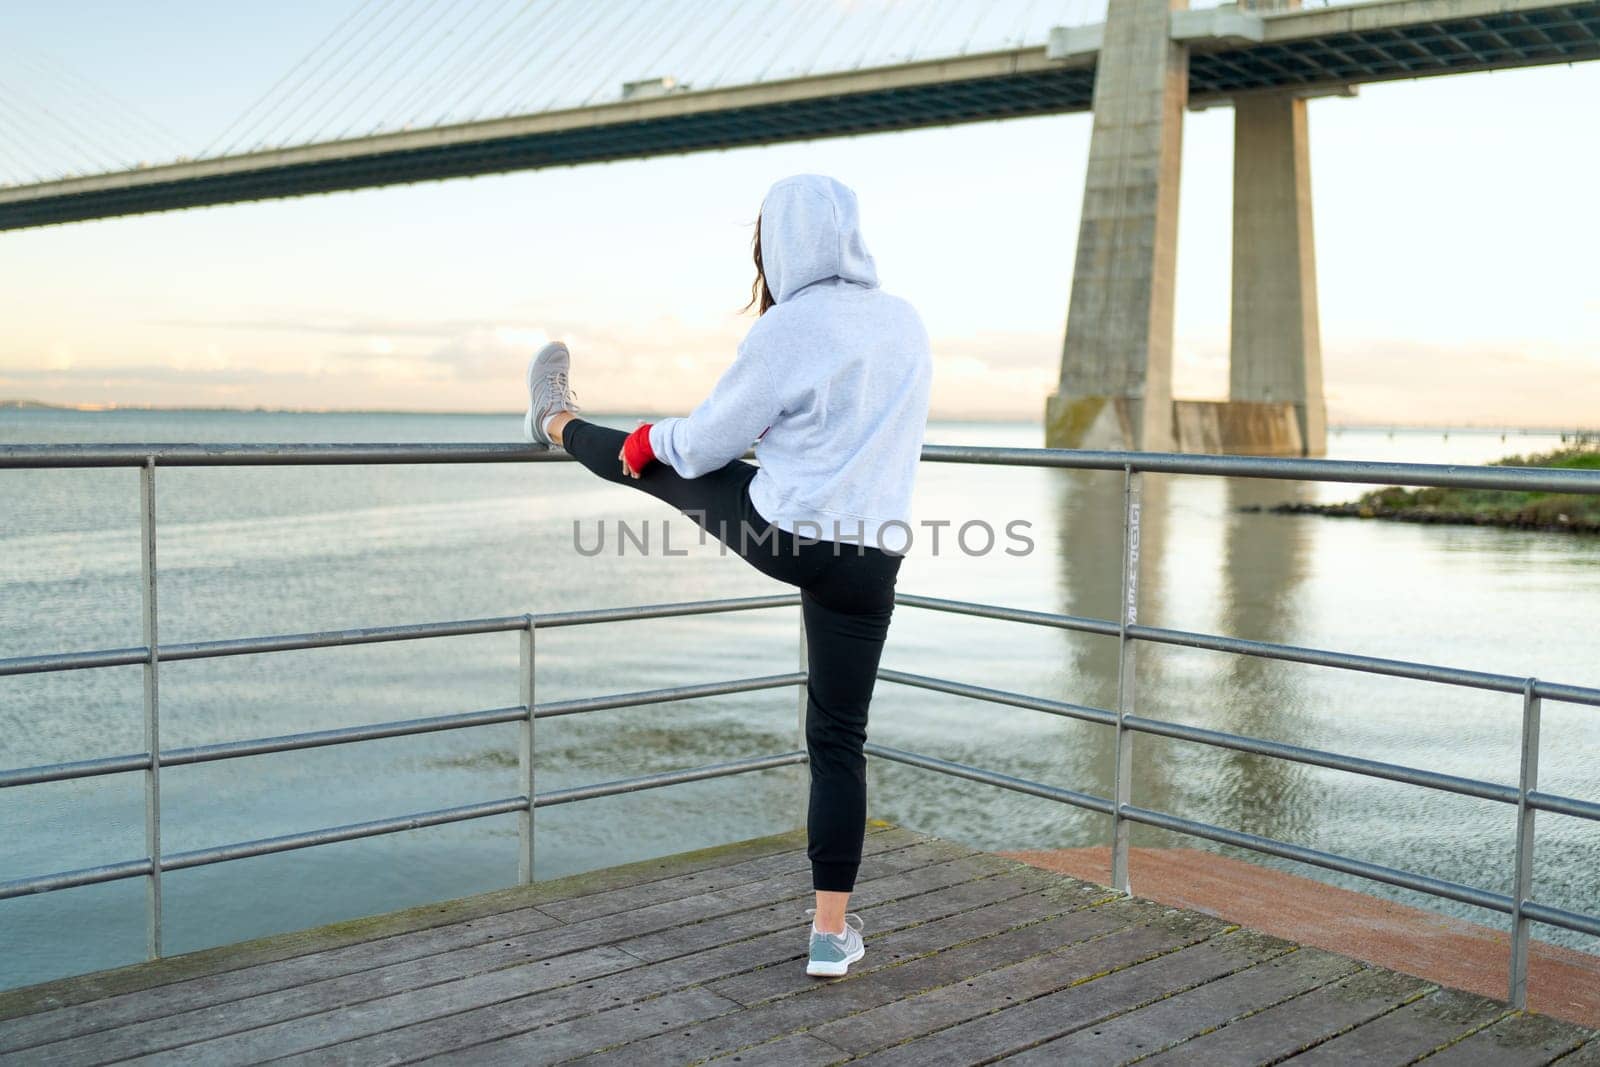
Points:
(1116, 365)
(1276, 351)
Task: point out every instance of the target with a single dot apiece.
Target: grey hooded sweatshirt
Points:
(836, 373)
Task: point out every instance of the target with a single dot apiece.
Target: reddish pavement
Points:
(1562, 982)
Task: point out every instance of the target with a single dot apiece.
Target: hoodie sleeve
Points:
(743, 403)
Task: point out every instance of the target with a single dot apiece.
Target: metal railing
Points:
(1525, 796)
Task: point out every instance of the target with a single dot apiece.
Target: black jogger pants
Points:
(846, 597)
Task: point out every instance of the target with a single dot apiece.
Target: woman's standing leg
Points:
(847, 621)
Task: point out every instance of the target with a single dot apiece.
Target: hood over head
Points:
(810, 232)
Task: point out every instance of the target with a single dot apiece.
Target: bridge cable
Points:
(584, 35)
(566, 31)
(125, 113)
(67, 138)
(464, 35)
(599, 42)
(903, 14)
(614, 73)
(509, 54)
(264, 97)
(434, 87)
(824, 38)
(723, 39)
(656, 68)
(98, 147)
(739, 69)
(707, 12)
(778, 39)
(381, 44)
(331, 69)
(117, 146)
(31, 167)
(511, 46)
(450, 96)
(422, 37)
(1025, 23)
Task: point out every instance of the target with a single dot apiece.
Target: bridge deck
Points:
(970, 958)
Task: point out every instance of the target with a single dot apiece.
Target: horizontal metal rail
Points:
(59, 772)
(660, 696)
(1421, 883)
(1559, 805)
(1081, 624)
(262, 746)
(1001, 696)
(267, 846)
(1394, 668)
(1499, 902)
(177, 861)
(1393, 772)
(1525, 796)
(654, 781)
(1525, 479)
(1087, 801)
(1425, 672)
(1256, 746)
(250, 646)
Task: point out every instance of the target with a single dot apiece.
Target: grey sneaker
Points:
(548, 391)
(832, 954)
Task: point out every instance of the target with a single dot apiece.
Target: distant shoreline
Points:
(22, 404)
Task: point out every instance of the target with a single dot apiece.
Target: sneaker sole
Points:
(834, 970)
(528, 431)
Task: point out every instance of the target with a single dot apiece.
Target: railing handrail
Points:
(1436, 475)
(1525, 796)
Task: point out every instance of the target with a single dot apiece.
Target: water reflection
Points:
(1256, 569)
(1264, 563)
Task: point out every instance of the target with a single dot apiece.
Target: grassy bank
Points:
(1567, 512)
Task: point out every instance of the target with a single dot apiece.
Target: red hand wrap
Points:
(636, 449)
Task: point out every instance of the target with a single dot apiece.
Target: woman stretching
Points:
(833, 380)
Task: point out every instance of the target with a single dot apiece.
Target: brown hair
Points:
(760, 295)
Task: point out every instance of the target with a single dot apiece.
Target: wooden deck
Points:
(970, 958)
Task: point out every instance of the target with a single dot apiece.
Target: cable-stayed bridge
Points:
(417, 90)
(724, 75)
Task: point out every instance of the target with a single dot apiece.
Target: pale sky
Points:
(1456, 225)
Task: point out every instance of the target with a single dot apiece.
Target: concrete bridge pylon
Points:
(1115, 389)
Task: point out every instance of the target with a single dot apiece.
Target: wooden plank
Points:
(510, 1019)
(556, 1044)
(458, 1029)
(1026, 1024)
(1171, 1022)
(666, 877)
(351, 1008)
(693, 937)
(1586, 1056)
(977, 994)
(1518, 1040)
(936, 922)
(859, 993)
(710, 879)
(102, 984)
(796, 1050)
(229, 987)
(1438, 1019)
(1276, 1032)
(301, 1018)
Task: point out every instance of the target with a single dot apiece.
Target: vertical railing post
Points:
(1522, 881)
(802, 775)
(152, 703)
(1122, 778)
(526, 819)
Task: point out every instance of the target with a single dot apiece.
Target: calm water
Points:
(258, 551)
